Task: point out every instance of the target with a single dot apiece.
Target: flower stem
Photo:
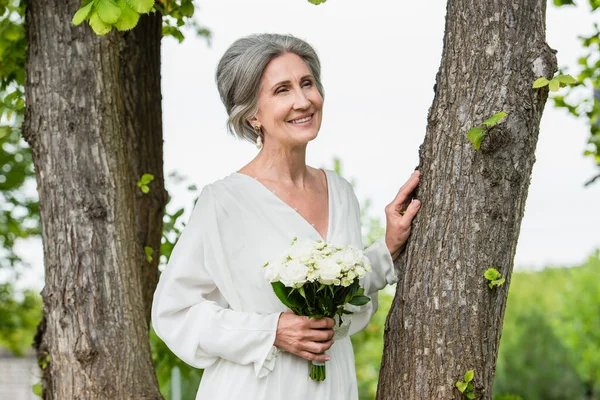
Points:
(317, 372)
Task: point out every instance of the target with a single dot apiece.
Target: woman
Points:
(213, 307)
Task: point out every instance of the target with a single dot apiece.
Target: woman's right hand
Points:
(305, 337)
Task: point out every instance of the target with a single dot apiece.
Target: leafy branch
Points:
(555, 83)
(124, 15)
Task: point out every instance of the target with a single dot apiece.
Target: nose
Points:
(301, 101)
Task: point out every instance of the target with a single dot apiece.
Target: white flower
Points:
(329, 270)
(346, 256)
(346, 282)
(293, 274)
(272, 268)
(303, 250)
(359, 271)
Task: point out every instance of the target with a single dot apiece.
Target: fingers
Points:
(406, 189)
(411, 210)
(316, 347)
(313, 357)
(321, 323)
(320, 335)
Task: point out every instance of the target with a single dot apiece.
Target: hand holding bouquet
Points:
(316, 279)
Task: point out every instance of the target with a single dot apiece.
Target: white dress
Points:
(215, 310)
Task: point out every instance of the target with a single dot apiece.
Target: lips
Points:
(301, 119)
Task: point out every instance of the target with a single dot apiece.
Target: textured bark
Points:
(444, 319)
(93, 122)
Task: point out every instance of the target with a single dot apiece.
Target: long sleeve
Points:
(191, 315)
(382, 273)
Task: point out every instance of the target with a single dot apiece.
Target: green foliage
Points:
(494, 277)
(507, 397)
(478, 133)
(555, 83)
(124, 15)
(465, 386)
(149, 252)
(317, 2)
(19, 216)
(144, 182)
(586, 88)
(550, 345)
(20, 314)
(37, 389)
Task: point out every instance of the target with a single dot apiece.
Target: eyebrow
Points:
(288, 82)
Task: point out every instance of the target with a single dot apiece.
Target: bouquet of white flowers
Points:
(316, 279)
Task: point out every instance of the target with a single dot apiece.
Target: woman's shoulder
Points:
(338, 180)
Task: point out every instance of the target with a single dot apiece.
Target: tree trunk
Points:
(445, 319)
(94, 124)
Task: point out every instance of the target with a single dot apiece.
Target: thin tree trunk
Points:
(93, 122)
(445, 320)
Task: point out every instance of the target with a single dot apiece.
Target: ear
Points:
(253, 121)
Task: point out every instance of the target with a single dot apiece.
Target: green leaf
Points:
(145, 189)
(540, 82)
(187, 9)
(469, 387)
(82, 14)
(494, 119)
(108, 11)
(129, 18)
(498, 282)
(359, 300)
(469, 375)
(146, 179)
(566, 79)
(148, 251)
(559, 3)
(37, 389)
(99, 27)
(461, 386)
(317, 2)
(302, 292)
(282, 294)
(470, 395)
(491, 274)
(141, 6)
(554, 85)
(476, 136)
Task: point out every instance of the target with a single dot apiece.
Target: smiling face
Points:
(289, 103)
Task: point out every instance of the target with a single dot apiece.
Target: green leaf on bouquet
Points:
(302, 292)
(359, 300)
(282, 294)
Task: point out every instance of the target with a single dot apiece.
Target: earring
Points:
(259, 138)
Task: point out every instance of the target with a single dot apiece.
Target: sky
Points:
(379, 61)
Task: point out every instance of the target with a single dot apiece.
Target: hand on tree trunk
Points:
(399, 215)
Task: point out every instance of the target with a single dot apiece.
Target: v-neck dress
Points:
(215, 310)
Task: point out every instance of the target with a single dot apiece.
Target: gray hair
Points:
(240, 71)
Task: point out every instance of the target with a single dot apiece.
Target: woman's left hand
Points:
(399, 216)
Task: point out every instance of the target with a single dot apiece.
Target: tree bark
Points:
(445, 319)
(94, 124)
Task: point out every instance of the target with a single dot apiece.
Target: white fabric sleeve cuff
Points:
(382, 272)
